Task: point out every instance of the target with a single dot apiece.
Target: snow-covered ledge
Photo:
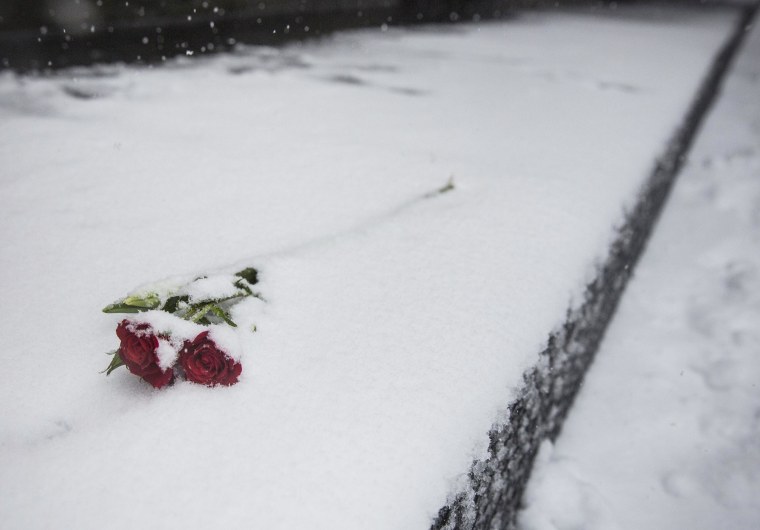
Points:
(402, 313)
(496, 484)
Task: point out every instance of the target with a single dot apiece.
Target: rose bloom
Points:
(138, 351)
(206, 364)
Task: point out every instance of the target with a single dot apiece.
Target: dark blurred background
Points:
(40, 34)
(49, 34)
(78, 16)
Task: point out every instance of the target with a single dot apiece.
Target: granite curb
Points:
(496, 485)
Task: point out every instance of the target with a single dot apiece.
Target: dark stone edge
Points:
(492, 498)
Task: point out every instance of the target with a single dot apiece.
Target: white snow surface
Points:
(397, 323)
(173, 332)
(666, 431)
(167, 353)
(217, 286)
(228, 339)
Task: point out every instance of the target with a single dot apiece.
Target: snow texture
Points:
(398, 322)
(167, 353)
(164, 323)
(228, 340)
(666, 431)
(214, 287)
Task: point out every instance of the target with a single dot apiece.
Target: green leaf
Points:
(448, 187)
(115, 363)
(149, 301)
(134, 304)
(172, 303)
(243, 286)
(197, 314)
(249, 274)
(218, 311)
(121, 307)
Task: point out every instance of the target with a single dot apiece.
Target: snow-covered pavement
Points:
(398, 321)
(665, 433)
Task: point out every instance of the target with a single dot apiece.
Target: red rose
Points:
(138, 351)
(206, 364)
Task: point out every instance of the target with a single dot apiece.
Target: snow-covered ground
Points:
(398, 321)
(665, 433)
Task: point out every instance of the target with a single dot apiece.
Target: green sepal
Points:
(116, 361)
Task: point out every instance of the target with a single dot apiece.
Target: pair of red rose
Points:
(201, 359)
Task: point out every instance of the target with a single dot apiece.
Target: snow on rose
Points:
(204, 362)
(138, 353)
(183, 329)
